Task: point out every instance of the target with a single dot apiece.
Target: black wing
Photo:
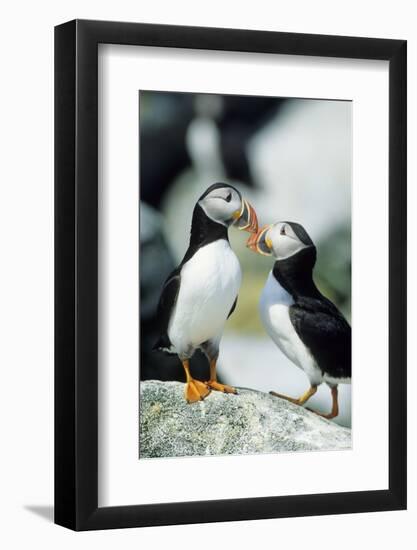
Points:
(326, 333)
(233, 308)
(166, 305)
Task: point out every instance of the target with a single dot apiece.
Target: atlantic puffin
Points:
(201, 293)
(306, 326)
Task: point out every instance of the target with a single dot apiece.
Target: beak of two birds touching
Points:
(247, 220)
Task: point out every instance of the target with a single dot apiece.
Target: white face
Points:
(222, 205)
(283, 241)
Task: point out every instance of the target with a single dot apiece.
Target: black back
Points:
(166, 304)
(317, 321)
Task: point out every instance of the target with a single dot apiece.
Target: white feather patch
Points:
(274, 311)
(210, 283)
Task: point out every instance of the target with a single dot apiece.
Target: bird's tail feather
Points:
(164, 344)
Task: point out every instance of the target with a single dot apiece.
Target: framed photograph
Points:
(230, 252)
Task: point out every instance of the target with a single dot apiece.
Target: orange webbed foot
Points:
(214, 385)
(195, 391)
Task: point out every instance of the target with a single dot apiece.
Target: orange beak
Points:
(260, 243)
(246, 219)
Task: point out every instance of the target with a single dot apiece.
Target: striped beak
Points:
(246, 218)
(260, 242)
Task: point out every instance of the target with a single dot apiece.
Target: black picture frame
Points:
(76, 271)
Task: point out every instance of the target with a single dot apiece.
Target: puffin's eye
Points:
(282, 231)
(229, 197)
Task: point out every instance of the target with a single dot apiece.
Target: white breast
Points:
(274, 311)
(210, 283)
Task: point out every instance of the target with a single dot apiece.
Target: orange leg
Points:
(335, 405)
(301, 400)
(194, 389)
(213, 384)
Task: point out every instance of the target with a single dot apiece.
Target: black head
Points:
(299, 232)
(295, 256)
(281, 240)
(218, 186)
(223, 204)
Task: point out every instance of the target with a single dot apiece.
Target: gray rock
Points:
(247, 423)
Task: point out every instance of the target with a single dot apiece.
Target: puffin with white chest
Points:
(307, 327)
(201, 293)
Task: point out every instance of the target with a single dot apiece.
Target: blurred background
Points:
(291, 158)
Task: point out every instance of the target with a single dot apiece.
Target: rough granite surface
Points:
(248, 423)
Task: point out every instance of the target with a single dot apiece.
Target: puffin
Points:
(305, 325)
(201, 293)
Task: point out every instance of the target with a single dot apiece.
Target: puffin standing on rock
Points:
(201, 293)
(307, 327)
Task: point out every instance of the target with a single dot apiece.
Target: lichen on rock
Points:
(227, 424)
